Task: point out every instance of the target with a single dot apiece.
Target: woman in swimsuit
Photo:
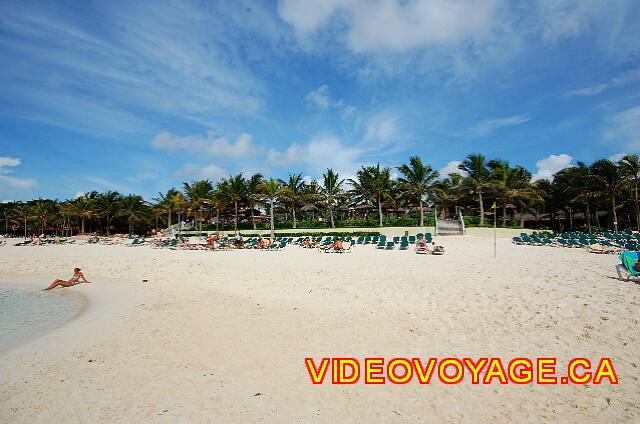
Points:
(77, 276)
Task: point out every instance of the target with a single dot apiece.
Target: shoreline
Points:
(80, 308)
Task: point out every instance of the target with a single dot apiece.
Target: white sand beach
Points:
(222, 336)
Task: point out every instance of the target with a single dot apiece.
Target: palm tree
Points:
(477, 178)
(252, 185)
(219, 201)
(630, 168)
(331, 190)
(270, 191)
(134, 208)
(7, 211)
(84, 209)
(511, 185)
(294, 193)
(107, 205)
(447, 191)
(235, 190)
(418, 181)
(373, 183)
(197, 194)
(608, 179)
(23, 213)
(165, 202)
(42, 211)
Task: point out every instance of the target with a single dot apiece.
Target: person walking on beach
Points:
(77, 276)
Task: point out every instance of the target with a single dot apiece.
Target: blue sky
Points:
(141, 96)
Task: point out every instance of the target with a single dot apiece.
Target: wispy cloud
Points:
(146, 62)
(627, 78)
(209, 145)
(10, 184)
(490, 125)
(623, 128)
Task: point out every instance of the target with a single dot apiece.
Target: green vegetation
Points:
(603, 195)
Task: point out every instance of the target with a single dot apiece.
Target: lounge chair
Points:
(627, 269)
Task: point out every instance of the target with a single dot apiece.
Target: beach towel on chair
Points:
(629, 260)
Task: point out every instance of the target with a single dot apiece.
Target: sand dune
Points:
(222, 336)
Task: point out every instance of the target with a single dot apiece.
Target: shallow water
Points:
(28, 313)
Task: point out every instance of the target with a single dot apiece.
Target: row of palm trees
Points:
(595, 195)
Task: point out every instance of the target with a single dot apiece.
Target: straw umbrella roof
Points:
(364, 206)
(424, 208)
(343, 208)
(308, 208)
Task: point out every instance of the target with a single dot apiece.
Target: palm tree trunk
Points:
(293, 209)
(235, 224)
(522, 215)
(570, 218)
(273, 234)
(169, 219)
(130, 226)
(504, 214)
(380, 210)
(25, 228)
(333, 225)
(82, 232)
(421, 214)
(635, 188)
(588, 217)
(253, 219)
(217, 220)
(615, 215)
(481, 208)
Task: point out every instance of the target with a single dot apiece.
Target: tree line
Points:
(601, 195)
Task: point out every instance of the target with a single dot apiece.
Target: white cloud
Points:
(295, 153)
(391, 25)
(382, 127)
(488, 126)
(320, 153)
(616, 157)
(9, 184)
(7, 161)
(319, 97)
(550, 165)
(209, 145)
(78, 195)
(627, 78)
(624, 128)
(451, 168)
(210, 171)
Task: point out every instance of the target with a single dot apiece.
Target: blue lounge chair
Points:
(627, 269)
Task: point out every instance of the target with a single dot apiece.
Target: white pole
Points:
(494, 232)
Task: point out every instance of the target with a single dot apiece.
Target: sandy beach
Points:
(222, 336)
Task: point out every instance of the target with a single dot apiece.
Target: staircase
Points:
(450, 227)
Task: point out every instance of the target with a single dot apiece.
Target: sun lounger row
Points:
(596, 243)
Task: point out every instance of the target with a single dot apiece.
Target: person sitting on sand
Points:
(336, 245)
(264, 243)
(421, 245)
(77, 276)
